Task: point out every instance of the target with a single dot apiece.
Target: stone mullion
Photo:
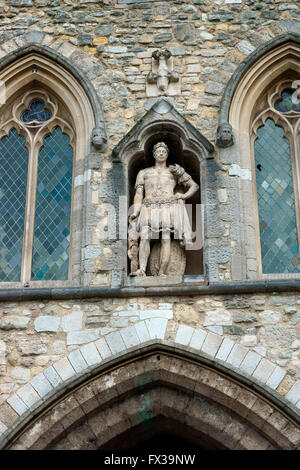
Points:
(296, 180)
(29, 213)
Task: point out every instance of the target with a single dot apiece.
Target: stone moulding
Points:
(162, 116)
(247, 287)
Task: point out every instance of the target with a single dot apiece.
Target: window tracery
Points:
(36, 168)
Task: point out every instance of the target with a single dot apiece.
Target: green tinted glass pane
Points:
(50, 258)
(13, 178)
(276, 202)
(288, 102)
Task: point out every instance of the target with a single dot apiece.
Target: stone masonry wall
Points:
(207, 38)
(112, 43)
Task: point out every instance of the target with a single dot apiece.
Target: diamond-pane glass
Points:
(36, 112)
(288, 102)
(13, 179)
(276, 201)
(50, 258)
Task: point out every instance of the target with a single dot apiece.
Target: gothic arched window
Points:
(36, 167)
(277, 158)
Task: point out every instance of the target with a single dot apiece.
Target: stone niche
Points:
(187, 148)
(187, 160)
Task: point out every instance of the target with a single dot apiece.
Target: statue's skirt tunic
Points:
(164, 217)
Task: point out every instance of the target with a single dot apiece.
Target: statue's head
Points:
(160, 152)
(98, 137)
(224, 135)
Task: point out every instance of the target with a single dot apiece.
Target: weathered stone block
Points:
(184, 334)
(211, 344)
(278, 300)
(31, 346)
(270, 317)
(72, 322)
(46, 323)
(41, 385)
(77, 361)
(82, 337)
(20, 373)
(244, 318)
(90, 354)
(277, 336)
(236, 355)
(224, 350)
(14, 323)
(64, 369)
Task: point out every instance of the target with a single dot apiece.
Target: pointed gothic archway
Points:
(158, 393)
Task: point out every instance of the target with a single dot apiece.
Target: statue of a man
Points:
(159, 211)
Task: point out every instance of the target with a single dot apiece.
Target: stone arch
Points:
(152, 391)
(195, 348)
(39, 66)
(64, 65)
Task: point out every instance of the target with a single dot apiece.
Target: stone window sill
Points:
(157, 281)
(38, 284)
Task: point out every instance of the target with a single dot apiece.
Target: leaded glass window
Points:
(13, 177)
(36, 166)
(277, 160)
(53, 206)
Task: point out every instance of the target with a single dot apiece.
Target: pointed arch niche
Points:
(37, 76)
(266, 149)
(187, 147)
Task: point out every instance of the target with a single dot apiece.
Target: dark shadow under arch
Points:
(152, 393)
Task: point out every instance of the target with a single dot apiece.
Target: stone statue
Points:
(159, 211)
(162, 80)
(98, 137)
(224, 135)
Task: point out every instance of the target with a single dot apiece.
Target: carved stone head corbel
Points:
(98, 137)
(224, 135)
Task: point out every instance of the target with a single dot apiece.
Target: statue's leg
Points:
(165, 253)
(144, 252)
